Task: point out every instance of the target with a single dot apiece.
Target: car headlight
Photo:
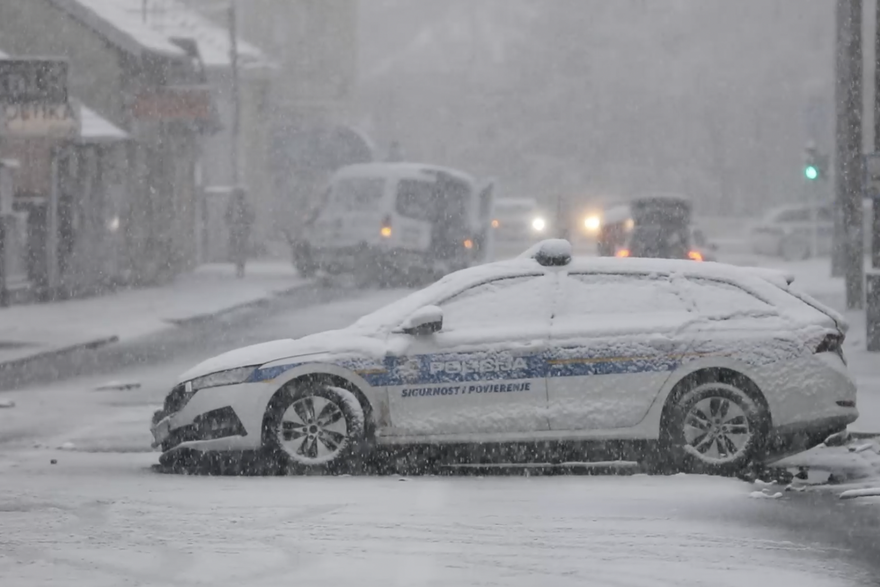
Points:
(592, 223)
(539, 224)
(229, 377)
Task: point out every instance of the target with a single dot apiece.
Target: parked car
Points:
(714, 364)
(788, 231)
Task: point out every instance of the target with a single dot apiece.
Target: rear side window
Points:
(719, 299)
(415, 199)
(359, 193)
(590, 294)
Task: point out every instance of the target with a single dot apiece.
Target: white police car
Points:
(720, 364)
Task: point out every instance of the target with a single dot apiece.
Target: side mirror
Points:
(423, 321)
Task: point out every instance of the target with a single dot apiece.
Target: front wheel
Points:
(715, 427)
(314, 426)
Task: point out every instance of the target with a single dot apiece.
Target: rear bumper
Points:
(792, 439)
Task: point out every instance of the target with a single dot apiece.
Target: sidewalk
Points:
(30, 332)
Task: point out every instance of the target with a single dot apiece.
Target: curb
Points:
(56, 353)
(183, 322)
(255, 303)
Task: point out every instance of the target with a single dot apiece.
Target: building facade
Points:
(151, 87)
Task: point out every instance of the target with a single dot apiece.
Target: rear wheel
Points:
(715, 427)
(314, 426)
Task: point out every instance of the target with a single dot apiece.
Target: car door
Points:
(484, 372)
(613, 343)
(733, 321)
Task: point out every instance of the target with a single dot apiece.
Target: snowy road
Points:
(106, 520)
(101, 517)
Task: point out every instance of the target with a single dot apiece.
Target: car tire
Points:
(714, 427)
(313, 427)
(794, 249)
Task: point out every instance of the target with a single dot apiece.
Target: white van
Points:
(393, 220)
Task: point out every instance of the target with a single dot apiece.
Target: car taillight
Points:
(695, 256)
(622, 253)
(833, 343)
(386, 227)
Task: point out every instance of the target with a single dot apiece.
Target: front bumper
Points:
(215, 419)
(221, 424)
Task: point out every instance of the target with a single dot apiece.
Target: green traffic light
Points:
(811, 172)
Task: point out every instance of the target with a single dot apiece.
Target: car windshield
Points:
(539, 293)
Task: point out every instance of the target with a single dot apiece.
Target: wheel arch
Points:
(731, 375)
(367, 396)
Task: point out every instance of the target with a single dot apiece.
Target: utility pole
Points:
(236, 96)
(875, 224)
(872, 283)
(848, 243)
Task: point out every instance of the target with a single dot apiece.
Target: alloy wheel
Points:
(717, 430)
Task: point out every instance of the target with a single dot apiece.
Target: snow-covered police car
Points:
(720, 364)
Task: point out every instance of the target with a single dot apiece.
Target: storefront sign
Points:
(39, 120)
(175, 103)
(33, 80)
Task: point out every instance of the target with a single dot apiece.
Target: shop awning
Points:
(94, 129)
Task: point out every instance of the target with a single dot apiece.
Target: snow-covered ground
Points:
(98, 515)
(107, 520)
(40, 329)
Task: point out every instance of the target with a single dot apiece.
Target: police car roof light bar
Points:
(551, 252)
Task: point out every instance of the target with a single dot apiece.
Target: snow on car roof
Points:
(400, 170)
(516, 203)
(617, 214)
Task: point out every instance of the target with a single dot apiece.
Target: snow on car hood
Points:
(346, 342)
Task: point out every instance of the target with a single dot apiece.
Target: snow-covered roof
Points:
(96, 129)
(400, 170)
(121, 23)
(125, 24)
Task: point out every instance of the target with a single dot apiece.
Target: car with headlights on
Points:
(716, 366)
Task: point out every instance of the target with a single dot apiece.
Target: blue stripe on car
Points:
(417, 369)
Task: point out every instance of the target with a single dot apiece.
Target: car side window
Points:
(590, 294)
(415, 199)
(502, 302)
(798, 215)
(719, 298)
(358, 194)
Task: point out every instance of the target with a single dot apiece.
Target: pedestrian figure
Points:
(239, 219)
